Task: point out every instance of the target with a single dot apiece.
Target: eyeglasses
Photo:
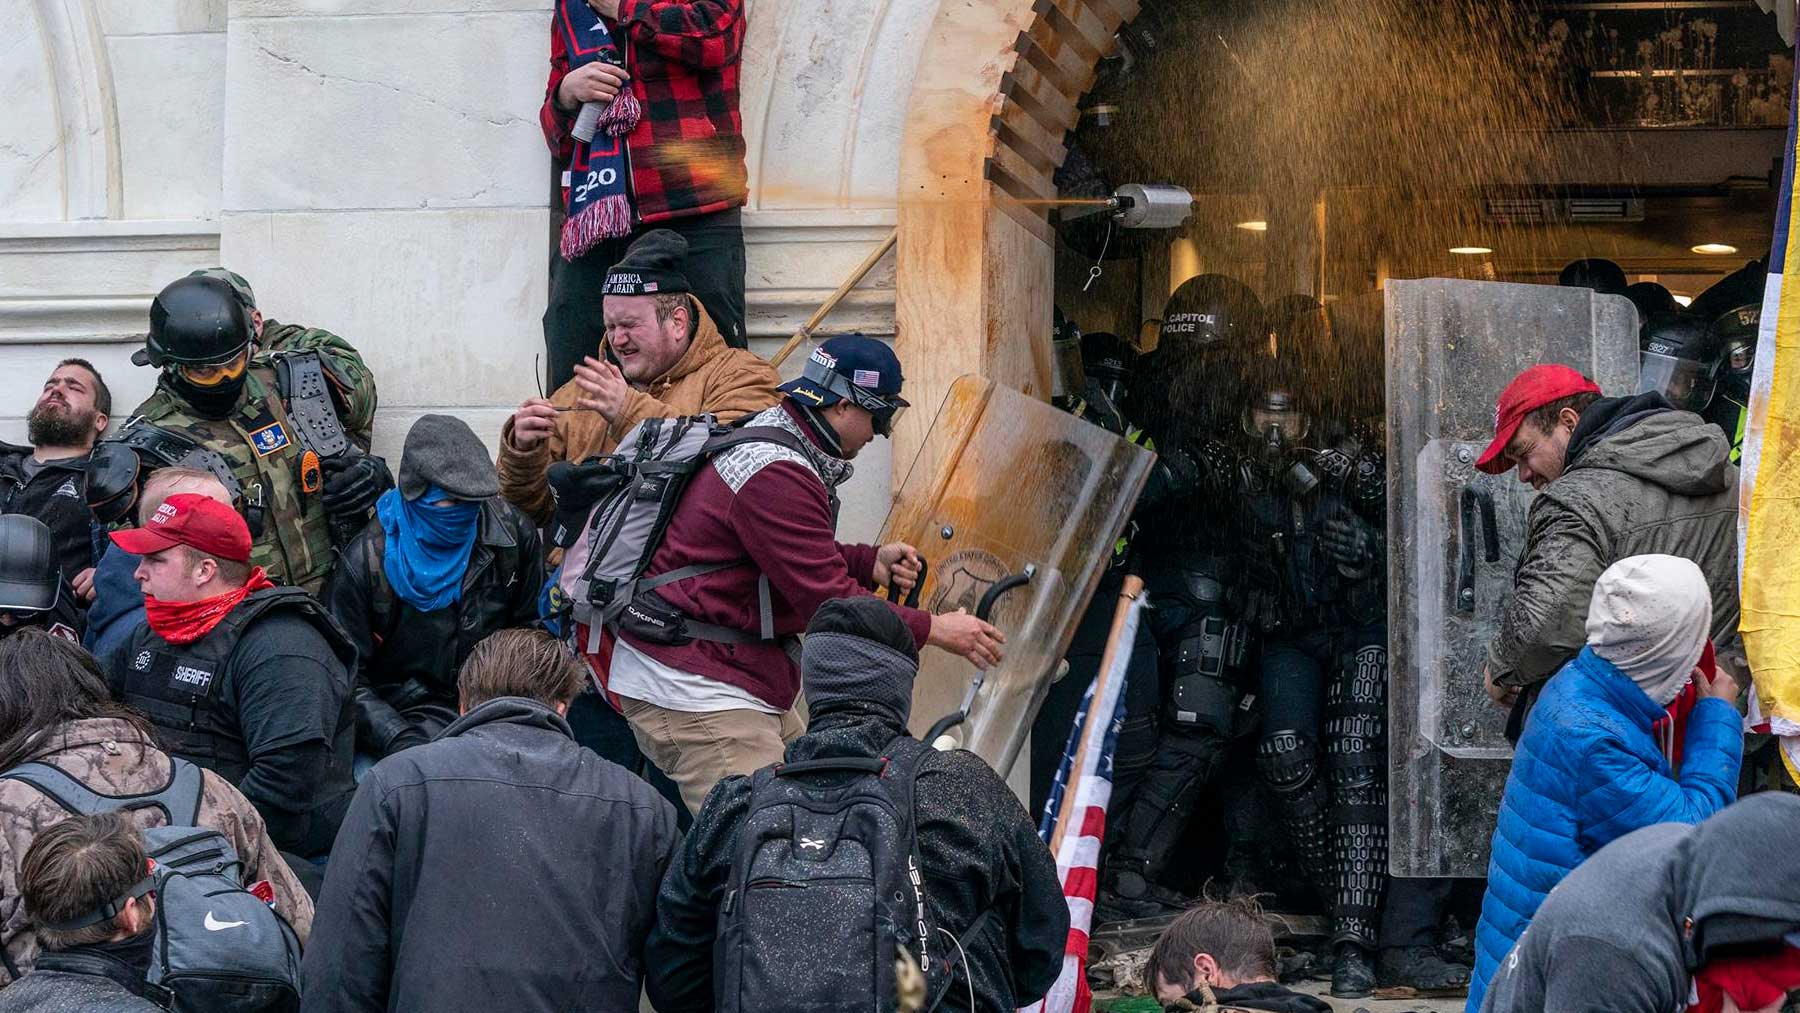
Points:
(214, 374)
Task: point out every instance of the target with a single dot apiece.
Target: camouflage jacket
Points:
(264, 449)
(114, 758)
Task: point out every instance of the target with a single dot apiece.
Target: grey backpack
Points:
(628, 498)
(219, 948)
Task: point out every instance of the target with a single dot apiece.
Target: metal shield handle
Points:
(912, 597)
(1477, 510)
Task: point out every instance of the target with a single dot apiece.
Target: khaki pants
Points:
(698, 749)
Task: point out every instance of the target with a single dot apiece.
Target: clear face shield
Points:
(1687, 383)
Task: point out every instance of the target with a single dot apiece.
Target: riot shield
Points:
(1455, 535)
(1006, 485)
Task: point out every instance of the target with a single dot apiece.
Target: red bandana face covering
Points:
(1753, 982)
(183, 622)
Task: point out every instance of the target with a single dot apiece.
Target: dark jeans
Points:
(600, 728)
(1415, 910)
(574, 324)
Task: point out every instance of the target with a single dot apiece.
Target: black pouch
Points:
(575, 489)
(653, 621)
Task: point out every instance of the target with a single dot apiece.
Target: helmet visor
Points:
(1292, 422)
(1687, 383)
(215, 374)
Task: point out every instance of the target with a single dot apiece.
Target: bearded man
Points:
(45, 479)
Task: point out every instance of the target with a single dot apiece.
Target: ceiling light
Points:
(1684, 301)
(1714, 249)
(1471, 251)
(1255, 225)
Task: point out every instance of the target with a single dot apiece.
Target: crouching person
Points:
(500, 867)
(1221, 954)
(74, 875)
(246, 679)
(990, 886)
(55, 710)
(444, 563)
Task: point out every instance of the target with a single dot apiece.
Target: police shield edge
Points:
(1455, 536)
(1003, 483)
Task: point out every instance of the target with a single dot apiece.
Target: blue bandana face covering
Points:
(428, 546)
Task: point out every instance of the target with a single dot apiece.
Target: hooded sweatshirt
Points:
(1625, 932)
(1267, 996)
(1641, 478)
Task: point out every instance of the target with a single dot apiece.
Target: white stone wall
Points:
(375, 167)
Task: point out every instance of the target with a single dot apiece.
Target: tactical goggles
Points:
(108, 911)
(213, 374)
(886, 408)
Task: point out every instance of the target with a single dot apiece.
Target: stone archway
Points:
(996, 92)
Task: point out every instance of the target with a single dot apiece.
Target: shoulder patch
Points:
(269, 439)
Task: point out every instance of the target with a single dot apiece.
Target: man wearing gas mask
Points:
(1184, 549)
(1734, 334)
(284, 425)
(1315, 578)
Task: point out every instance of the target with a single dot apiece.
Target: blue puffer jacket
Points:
(1588, 770)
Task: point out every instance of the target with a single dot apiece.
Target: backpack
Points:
(218, 947)
(826, 889)
(626, 499)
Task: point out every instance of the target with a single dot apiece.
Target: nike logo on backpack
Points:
(215, 925)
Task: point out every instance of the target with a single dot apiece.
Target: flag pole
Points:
(1128, 595)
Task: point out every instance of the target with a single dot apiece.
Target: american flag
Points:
(1077, 842)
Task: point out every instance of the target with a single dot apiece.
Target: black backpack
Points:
(219, 948)
(826, 890)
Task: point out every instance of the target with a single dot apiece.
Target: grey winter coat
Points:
(1626, 931)
(1641, 478)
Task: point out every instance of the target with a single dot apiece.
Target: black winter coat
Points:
(499, 869)
(103, 978)
(55, 495)
(977, 844)
(407, 660)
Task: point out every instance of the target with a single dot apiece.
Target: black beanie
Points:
(864, 616)
(858, 654)
(651, 266)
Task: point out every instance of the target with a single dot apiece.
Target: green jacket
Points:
(295, 544)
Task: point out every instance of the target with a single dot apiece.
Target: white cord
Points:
(968, 976)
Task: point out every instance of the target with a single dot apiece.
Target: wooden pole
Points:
(836, 297)
(1129, 593)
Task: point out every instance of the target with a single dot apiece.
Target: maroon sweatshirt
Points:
(780, 519)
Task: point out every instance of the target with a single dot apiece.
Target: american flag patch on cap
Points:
(865, 378)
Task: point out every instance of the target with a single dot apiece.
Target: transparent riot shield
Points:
(1005, 486)
(1456, 534)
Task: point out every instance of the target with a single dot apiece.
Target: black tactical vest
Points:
(179, 688)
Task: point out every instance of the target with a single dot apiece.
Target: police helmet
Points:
(1107, 357)
(1651, 298)
(1213, 309)
(196, 321)
(1603, 276)
(1680, 360)
(1734, 334)
(113, 480)
(29, 573)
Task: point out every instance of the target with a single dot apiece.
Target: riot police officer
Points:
(1734, 335)
(284, 425)
(1679, 360)
(1102, 376)
(1210, 331)
(33, 592)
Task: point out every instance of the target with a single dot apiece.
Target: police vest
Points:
(178, 687)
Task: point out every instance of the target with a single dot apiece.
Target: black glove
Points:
(1349, 541)
(353, 481)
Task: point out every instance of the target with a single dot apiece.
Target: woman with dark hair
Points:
(55, 709)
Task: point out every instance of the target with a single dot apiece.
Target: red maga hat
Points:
(1529, 391)
(195, 521)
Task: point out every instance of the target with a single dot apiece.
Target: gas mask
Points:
(1740, 365)
(213, 388)
(1277, 429)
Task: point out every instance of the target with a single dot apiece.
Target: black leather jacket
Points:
(407, 660)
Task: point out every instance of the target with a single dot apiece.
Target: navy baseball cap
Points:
(857, 367)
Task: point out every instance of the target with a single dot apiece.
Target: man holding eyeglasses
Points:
(707, 708)
(280, 414)
(1616, 477)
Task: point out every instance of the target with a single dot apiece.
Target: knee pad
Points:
(1287, 760)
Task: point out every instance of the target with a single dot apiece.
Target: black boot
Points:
(1352, 972)
(1406, 972)
(1127, 896)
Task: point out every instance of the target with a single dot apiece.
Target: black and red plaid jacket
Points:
(687, 153)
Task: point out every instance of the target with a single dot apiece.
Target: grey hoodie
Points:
(1625, 932)
(1641, 479)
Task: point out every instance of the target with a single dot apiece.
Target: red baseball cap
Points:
(1529, 391)
(192, 520)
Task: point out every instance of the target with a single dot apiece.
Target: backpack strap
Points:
(834, 765)
(179, 799)
(300, 379)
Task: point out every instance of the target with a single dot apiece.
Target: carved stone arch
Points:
(997, 90)
(81, 82)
